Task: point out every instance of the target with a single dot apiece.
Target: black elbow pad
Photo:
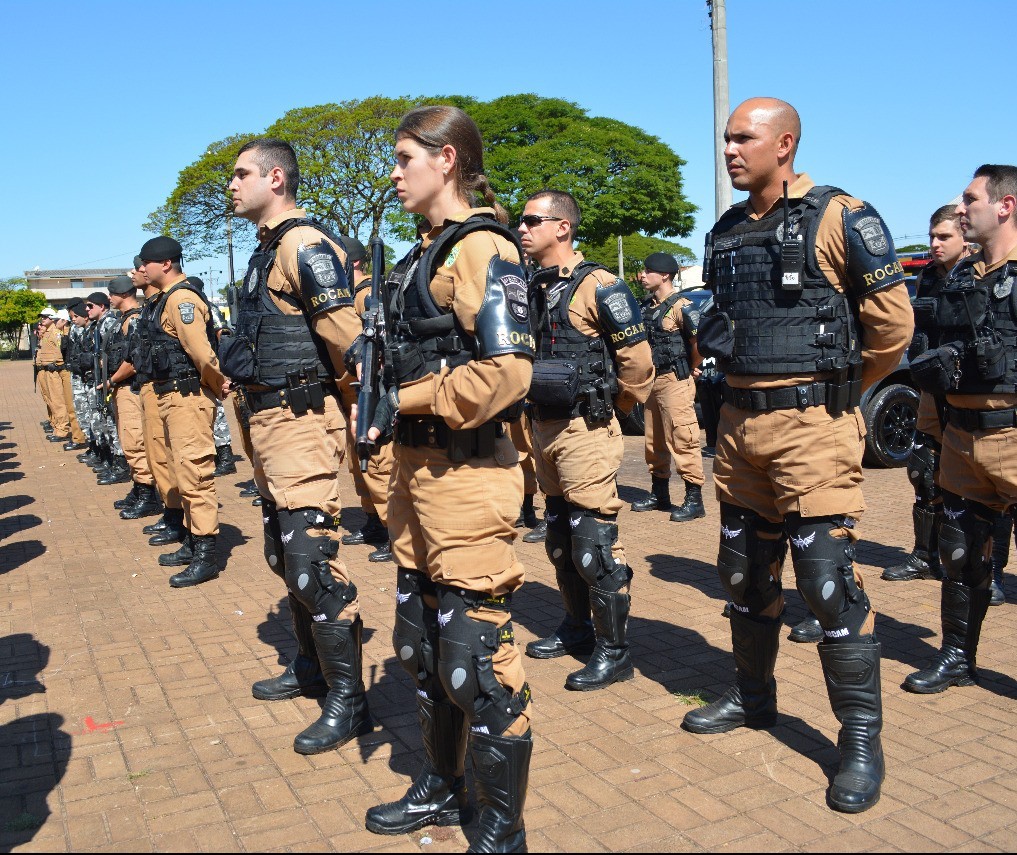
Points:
(503, 322)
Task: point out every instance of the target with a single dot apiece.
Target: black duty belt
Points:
(544, 413)
(259, 401)
(836, 397)
(53, 366)
(185, 386)
(460, 444)
(972, 420)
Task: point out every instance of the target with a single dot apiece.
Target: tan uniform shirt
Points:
(886, 319)
(475, 393)
(985, 401)
(338, 327)
(192, 334)
(48, 351)
(635, 362)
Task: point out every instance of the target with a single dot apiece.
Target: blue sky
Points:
(105, 102)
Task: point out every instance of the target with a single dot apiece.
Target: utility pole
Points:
(721, 103)
(229, 246)
(621, 259)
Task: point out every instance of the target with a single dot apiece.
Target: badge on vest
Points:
(618, 306)
(1003, 288)
(515, 296)
(323, 270)
(872, 234)
(186, 312)
(554, 294)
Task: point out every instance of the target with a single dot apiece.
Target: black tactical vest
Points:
(930, 282)
(669, 352)
(282, 344)
(140, 346)
(75, 350)
(118, 342)
(169, 360)
(559, 341)
(981, 314)
(778, 330)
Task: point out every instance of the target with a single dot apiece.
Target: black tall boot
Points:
(224, 462)
(692, 508)
(345, 714)
(1002, 531)
(752, 700)
(303, 675)
(119, 471)
(182, 557)
(174, 532)
(501, 773)
(159, 525)
(148, 504)
(852, 681)
(204, 565)
(438, 795)
(963, 611)
(128, 500)
(105, 460)
(527, 515)
(923, 562)
(373, 532)
(90, 457)
(610, 661)
(659, 498)
(575, 633)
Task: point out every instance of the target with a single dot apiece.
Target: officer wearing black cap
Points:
(672, 429)
(105, 324)
(79, 363)
(186, 378)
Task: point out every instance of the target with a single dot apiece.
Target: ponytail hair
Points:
(433, 128)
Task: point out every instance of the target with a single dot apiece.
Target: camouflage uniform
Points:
(79, 337)
(221, 427)
(104, 427)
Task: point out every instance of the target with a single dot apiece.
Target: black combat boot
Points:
(808, 631)
(224, 463)
(345, 714)
(157, 526)
(46, 425)
(659, 498)
(382, 553)
(575, 633)
(128, 500)
(74, 446)
(538, 534)
(1002, 530)
(148, 504)
(527, 516)
(182, 557)
(373, 532)
(54, 437)
(438, 795)
(250, 489)
(752, 700)
(923, 562)
(692, 508)
(852, 681)
(203, 567)
(963, 611)
(120, 472)
(610, 661)
(501, 773)
(174, 532)
(303, 675)
(90, 457)
(105, 459)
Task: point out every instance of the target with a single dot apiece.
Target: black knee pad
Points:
(963, 534)
(415, 635)
(273, 538)
(745, 558)
(592, 538)
(466, 649)
(558, 542)
(922, 466)
(824, 568)
(308, 576)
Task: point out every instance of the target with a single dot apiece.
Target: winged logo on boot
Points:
(401, 597)
(287, 537)
(954, 514)
(445, 617)
(804, 541)
(729, 532)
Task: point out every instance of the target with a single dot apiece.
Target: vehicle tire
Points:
(634, 424)
(891, 417)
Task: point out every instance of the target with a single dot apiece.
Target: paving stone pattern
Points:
(127, 722)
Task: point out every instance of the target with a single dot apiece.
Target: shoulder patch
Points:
(515, 295)
(873, 236)
(186, 312)
(619, 308)
(452, 256)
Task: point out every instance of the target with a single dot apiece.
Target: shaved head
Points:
(779, 116)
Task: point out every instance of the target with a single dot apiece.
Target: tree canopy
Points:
(635, 249)
(625, 180)
(18, 306)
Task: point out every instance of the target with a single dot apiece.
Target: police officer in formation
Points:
(593, 363)
(296, 321)
(672, 429)
(810, 309)
(77, 368)
(50, 367)
(973, 367)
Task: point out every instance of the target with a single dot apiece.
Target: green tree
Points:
(912, 247)
(18, 306)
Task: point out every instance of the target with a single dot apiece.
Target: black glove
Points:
(354, 355)
(387, 411)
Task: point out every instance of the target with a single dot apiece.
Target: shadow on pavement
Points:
(8, 477)
(229, 538)
(17, 524)
(13, 555)
(13, 503)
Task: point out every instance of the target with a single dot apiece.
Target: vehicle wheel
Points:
(634, 424)
(891, 418)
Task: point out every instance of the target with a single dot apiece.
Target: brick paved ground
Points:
(127, 722)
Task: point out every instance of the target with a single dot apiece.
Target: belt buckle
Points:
(803, 396)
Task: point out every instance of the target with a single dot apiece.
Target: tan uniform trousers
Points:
(521, 432)
(928, 417)
(581, 463)
(158, 457)
(297, 460)
(672, 430)
(52, 389)
(455, 523)
(77, 434)
(187, 427)
(371, 486)
(131, 430)
(980, 466)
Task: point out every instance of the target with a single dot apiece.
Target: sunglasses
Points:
(531, 221)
